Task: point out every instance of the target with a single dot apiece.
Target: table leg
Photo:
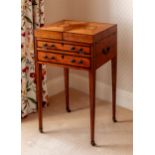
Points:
(92, 76)
(66, 79)
(39, 94)
(114, 75)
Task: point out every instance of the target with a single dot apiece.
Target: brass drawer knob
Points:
(52, 45)
(72, 48)
(80, 50)
(80, 62)
(73, 61)
(105, 51)
(45, 46)
(52, 57)
(46, 57)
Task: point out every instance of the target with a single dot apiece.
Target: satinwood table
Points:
(78, 45)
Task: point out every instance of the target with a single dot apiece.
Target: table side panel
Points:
(103, 34)
(105, 50)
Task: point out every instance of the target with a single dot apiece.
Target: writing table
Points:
(78, 45)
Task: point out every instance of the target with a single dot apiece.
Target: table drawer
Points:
(44, 45)
(64, 59)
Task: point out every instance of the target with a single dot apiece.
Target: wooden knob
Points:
(80, 50)
(46, 57)
(73, 60)
(108, 48)
(62, 56)
(105, 51)
(72, 48)
(45, 45)
(52, 57)
(80, 62)
(52, 45)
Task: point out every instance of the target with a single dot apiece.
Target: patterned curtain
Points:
(32, 16)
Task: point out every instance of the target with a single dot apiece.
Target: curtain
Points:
(32, 16)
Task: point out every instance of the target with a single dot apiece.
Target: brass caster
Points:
(114, 120)
(93, 143)
(40, 130)
(68, 110)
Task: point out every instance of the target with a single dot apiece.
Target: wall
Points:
(113, 11)
(55, 10)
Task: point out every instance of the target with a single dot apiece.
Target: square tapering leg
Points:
(92, 76)
(66, 80)
(114, 79)
(39, 94)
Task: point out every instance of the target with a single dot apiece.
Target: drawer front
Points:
(65, 47)
(64, 59)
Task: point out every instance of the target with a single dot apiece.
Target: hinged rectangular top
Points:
(71, 29)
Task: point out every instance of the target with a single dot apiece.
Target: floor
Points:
(68, 133)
